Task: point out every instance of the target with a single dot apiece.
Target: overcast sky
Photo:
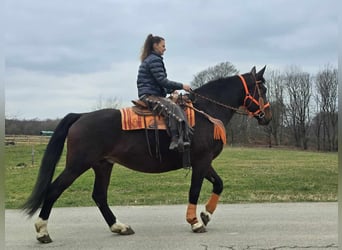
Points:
(63, 56)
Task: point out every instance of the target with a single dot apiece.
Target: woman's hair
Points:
(148, 45)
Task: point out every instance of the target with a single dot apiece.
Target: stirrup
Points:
(173, 145)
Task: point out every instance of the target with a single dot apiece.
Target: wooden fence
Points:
(26, 139)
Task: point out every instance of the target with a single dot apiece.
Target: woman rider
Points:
(153, 86)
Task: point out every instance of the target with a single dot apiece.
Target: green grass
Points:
(249, 175)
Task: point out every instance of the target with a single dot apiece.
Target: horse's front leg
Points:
(210, 207)
(195, 189)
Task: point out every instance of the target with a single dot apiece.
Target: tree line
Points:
(304, 108)
(29, 127)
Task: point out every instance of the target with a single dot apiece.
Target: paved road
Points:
(234, 226)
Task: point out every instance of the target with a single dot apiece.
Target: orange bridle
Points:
(260, 103)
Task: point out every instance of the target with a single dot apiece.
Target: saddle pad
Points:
(131, 121)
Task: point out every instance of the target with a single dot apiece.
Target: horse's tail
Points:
(48, 165)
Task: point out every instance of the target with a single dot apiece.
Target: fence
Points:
(26, 139)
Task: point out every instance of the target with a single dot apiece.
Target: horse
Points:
(96, 140)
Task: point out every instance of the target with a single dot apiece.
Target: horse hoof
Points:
(44, 239)
(128, 231)
(205, 216)
(198, 228)
(121, 229)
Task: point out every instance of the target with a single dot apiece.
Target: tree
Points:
(298, 86)
(326, 120)
(220, 70)
(111, 102)
(275, 87)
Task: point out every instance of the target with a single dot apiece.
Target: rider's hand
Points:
(186, 87)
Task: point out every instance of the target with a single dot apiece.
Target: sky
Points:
(66, 56)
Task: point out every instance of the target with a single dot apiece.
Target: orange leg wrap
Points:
(212, 203)
(191, 214)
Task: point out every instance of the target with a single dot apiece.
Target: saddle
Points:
(140, 117)
(140, 108)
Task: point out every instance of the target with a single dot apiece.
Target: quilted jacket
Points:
(152, 77)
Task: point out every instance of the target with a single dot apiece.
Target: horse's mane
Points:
(214, 85)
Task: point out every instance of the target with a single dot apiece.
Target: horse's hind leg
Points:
(103, 172)
(62, 182)
(210, 207)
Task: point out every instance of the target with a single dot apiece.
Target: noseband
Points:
(260, 113)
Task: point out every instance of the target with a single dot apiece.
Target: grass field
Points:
(249, 175)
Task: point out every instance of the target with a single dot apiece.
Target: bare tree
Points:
(275, 87)
(298, 86)
(326, 120)
(111, 102)
(220, 70)
(317, 123)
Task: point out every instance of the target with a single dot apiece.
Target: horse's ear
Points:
(260, 74)
(253, 71)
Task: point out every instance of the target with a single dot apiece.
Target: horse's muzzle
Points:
(264, 117)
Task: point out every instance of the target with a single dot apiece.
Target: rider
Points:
(153, 86)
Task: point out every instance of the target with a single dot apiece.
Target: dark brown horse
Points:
(96, 140)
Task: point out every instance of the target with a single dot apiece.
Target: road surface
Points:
(233, 226)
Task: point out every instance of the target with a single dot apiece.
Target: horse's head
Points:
(255, 101)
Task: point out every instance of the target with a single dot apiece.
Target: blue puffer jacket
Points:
(152, 77)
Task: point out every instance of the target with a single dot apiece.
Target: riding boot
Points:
(185, 134)
(176, 141)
